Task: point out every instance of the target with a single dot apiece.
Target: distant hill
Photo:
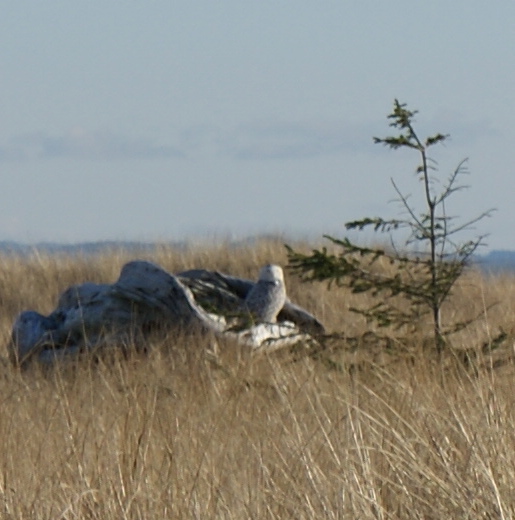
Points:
(84, 248)
(497, 261)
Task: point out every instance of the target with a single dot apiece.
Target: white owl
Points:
(268, 295)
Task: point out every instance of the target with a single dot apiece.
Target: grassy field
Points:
(368, 429)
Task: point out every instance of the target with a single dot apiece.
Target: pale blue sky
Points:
(164, 120)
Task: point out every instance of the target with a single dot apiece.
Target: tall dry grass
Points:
(174, 433)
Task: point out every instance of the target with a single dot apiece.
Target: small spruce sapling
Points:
(424, 276)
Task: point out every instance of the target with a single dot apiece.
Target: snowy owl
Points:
(267, 296)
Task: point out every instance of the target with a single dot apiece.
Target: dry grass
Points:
(172, 434)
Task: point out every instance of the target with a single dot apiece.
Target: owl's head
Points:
(271, 273)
